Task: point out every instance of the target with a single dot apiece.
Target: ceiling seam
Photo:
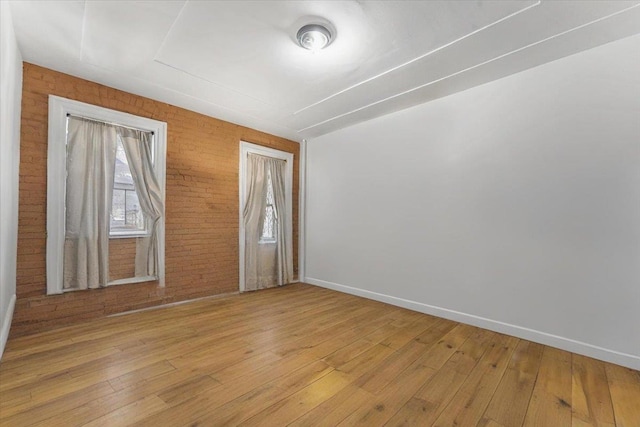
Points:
(84, 20)
(174, 91)
(164, 40)
(230, 89)
(470, 68)
(439, 48)
(173, 67)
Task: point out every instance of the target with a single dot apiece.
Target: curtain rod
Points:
(108, 123)
(268, 157)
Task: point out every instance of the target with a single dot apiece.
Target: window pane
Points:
(135, 218)
(126, 214)
(267, 229)
(118, 208)
(122, 172)
(269, 214)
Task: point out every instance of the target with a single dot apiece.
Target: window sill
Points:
(128, 281)
(132, 280)
(128, 235)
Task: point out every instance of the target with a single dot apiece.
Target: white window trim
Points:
(59, 109)
(245, 149)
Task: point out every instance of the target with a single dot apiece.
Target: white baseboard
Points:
(6, 324)
(562, 343)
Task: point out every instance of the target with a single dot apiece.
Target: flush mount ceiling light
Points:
(314, 37)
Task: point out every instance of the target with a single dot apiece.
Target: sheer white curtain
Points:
(256, 259)
(91, 152)
(137, 147)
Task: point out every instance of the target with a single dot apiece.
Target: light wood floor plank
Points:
(335, 409)
(625, 395)
(470, 402)
(509, 403)
(301, 355)
(63, 403)
(590, 396)
(130, 413)
(550, 403)
(273, 392)
(300, 402)
(431, 399)
(391, 399)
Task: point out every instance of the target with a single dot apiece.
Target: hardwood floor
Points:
(303, 356)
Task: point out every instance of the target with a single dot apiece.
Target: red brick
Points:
(201, 208)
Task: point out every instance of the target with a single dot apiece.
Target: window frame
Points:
(59, 109)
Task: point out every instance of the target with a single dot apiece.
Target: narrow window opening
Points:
(127, 218)
(268, 228)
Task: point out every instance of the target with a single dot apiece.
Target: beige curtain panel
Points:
(91, 152)
(284, 241)
(137, 147)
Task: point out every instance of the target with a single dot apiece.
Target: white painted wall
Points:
(514, 205)
(10, 99)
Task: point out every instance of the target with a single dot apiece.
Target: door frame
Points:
(247, 148)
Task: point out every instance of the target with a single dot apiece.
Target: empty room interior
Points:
(320, 213)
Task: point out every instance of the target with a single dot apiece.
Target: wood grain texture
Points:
(302, 356)
(591, 398)
(550, 402)
(624, 386)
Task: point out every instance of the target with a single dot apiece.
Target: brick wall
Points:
(122, 258)
(201, 208)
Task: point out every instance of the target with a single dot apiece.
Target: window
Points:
(279, 223)
(127, 219)
(124, 217)
(268, 228)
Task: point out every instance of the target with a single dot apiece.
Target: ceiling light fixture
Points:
(314, 37)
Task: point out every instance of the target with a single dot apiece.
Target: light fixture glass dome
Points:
(314, 37)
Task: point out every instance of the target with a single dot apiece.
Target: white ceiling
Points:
(238, 61)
